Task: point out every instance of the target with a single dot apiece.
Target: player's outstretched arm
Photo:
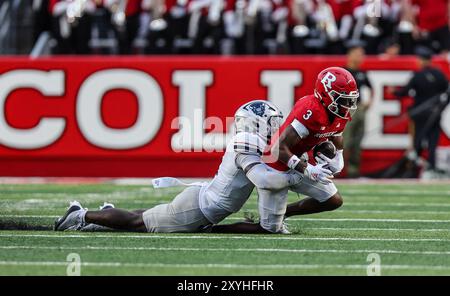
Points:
(248, 149)
(264, 177)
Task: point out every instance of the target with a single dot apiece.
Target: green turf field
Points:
(408, 225)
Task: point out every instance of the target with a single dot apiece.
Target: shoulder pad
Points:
(311, 114)
(248, 143)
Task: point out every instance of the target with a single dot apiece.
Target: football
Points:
(327, 148)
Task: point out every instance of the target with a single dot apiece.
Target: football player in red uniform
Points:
(314, 119)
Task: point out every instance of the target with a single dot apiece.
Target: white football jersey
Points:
(231, 188)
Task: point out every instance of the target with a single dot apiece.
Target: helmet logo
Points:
(327, 80)
(258, 108)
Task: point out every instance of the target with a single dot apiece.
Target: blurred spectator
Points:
(391, 49)
(237, 18)
(71, 25)
(372, 24)
(162, 23)
(256, 26)
(299, 24)
(405, 29)
(185, 26)
(432, 28)
(319, 26)
(41, 18)
(354, 132)
(206, 24)
(125, 20)
(425, 87)
(246, 26)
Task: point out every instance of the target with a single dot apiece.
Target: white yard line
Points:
(149, 201)
(289, 219)
(377, 229)
(365, 220)
(313, 219)
(167, 192)
(225, 266)
(313, 228)
(28, 216)
(263, 250)
(147, 181)
(369, 181)
(207, 236)
(398, 211)
(408, 192)
(396, 204)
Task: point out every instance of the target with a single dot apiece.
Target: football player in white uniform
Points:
(314, 119)
(203, 204)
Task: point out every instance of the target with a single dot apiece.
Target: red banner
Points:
(153, 116)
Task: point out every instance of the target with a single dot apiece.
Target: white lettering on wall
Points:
(48, 130)
(150, 104)
(280, 87)
(374, 137)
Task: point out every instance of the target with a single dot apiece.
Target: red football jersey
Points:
(310, 118)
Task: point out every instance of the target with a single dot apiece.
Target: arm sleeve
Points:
(404, 91)
(247, 161)
(263, 176)
(367, 82)
(444, 83)
(300, 128)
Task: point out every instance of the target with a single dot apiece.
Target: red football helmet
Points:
(337, 90)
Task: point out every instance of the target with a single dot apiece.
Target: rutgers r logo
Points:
(327, 80)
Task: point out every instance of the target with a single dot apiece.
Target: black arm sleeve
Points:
(367, 82)
(404, 91)
(443, 82)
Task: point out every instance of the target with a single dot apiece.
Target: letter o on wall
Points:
(150, 104)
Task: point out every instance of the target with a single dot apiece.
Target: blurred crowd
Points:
(388, 27)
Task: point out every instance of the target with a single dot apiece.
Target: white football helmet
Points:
(259, 117)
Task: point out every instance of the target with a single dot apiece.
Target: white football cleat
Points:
(284, 228)
(73, 219)
(106, 205)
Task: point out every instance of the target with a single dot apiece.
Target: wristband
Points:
(293, 162)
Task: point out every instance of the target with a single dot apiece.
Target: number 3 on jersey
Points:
(307, 115)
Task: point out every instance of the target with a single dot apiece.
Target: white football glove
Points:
(335, 165)
(318, 173)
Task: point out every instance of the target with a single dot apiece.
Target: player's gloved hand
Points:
(335, 165)
(319, 173)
